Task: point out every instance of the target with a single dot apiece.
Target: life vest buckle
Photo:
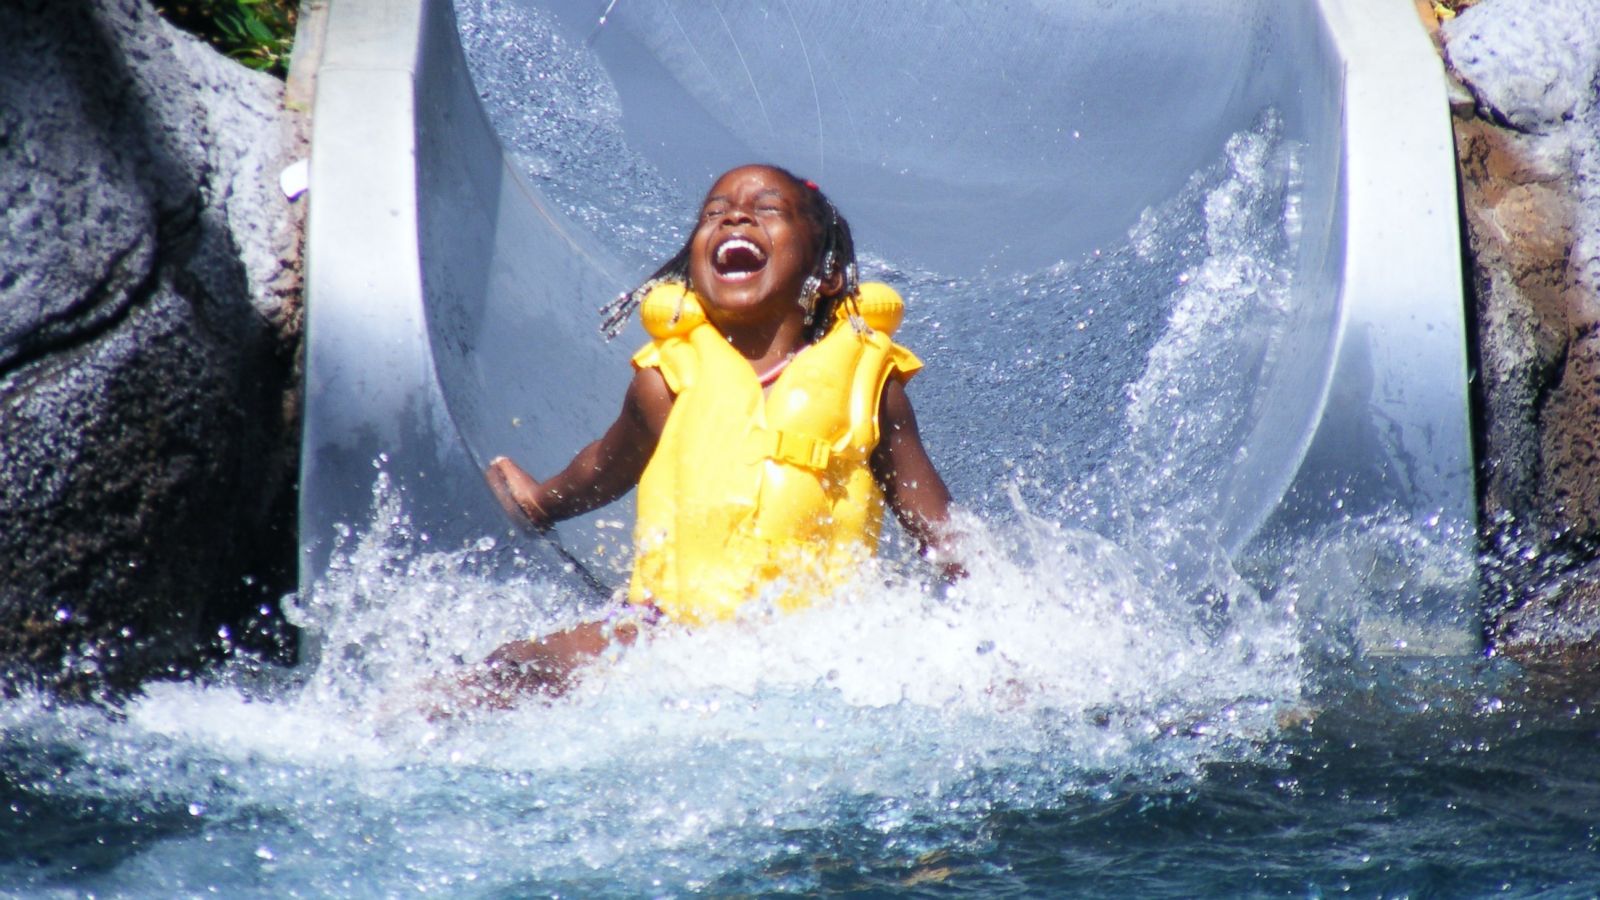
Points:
(793, 448)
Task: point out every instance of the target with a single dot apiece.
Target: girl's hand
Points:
(517, 492)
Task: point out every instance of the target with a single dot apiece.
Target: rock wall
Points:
(1528, 139)
(148, 330)
(1529, 164)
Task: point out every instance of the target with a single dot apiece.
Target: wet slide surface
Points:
(1188, 283)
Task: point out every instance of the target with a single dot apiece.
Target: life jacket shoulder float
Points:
(754, 492)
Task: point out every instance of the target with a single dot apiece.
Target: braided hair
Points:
(836, 253)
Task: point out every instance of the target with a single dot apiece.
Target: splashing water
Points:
(716, 757)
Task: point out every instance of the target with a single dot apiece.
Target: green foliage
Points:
(258, 33)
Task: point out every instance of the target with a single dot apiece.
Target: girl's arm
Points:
(910, 483)
(601, 472)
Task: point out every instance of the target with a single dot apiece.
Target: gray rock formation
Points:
(1529, 146)
(148, 319)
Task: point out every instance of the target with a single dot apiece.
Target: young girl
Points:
(766, 424)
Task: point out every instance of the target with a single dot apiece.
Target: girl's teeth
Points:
(736, 244)
(738, 258)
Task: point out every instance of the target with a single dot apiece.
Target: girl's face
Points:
(753, 247)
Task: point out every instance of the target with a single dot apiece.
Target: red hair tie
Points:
(812, 184)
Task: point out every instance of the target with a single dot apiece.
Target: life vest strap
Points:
(791, 447)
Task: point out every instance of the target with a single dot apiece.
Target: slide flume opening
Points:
(1192, 289)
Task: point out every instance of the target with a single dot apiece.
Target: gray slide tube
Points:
(451, 300)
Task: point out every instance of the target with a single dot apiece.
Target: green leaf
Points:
(259, 31)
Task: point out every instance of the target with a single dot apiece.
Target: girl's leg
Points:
(548, 665)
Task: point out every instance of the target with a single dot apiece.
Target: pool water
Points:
(1049, 726)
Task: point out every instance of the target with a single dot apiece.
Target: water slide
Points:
(1193, 264)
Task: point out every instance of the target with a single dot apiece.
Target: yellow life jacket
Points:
(753, 492)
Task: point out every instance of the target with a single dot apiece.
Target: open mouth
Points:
(736, 259)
